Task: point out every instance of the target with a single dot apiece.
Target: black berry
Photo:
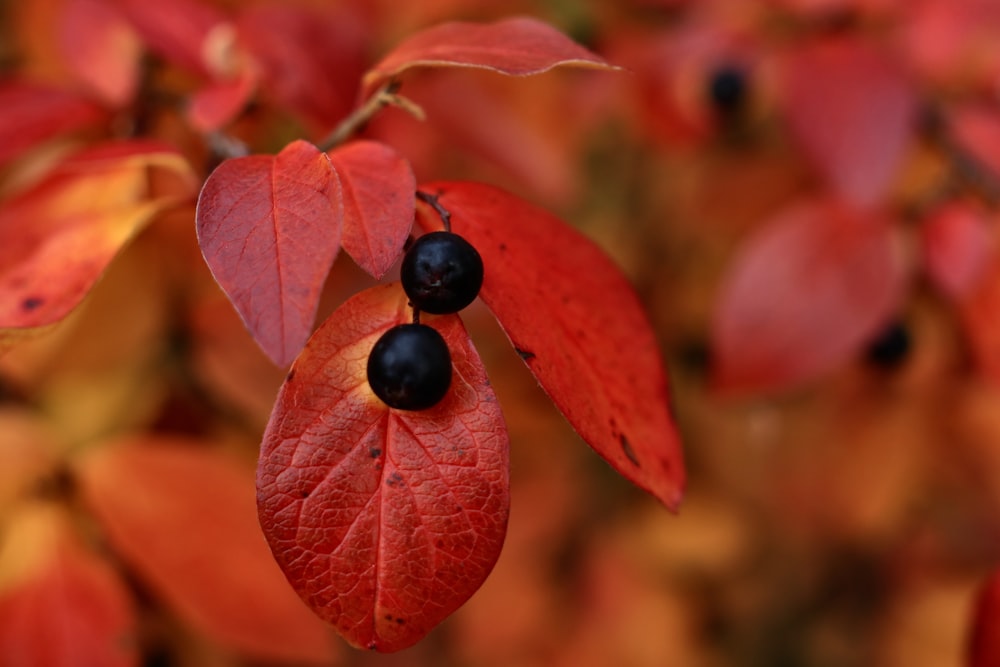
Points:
(890, 348)
(441, 273)
(409, 367)
(727, 89)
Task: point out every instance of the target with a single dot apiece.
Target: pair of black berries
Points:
(409, 367)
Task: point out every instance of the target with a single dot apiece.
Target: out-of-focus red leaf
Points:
(33, 113)
(379, 189)
(65, 606)
(182, 516)
(803, 295)
(853, 111)
(957, 246)
(578, 325)
(74, 222)
(385, 521)
(980, 315)
(309, 60)
(517, 46)
(176, 30)
(101, 48)
(270, 228)
(984, 638)
(221, 100)
(976, 130)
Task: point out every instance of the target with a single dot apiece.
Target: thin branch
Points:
(385, 96)
(432, 201)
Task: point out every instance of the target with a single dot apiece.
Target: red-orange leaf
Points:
(984, 638)
(384, 521)
(33, 113)
(379, 191)
(516, 46)
(60, 605)
(101, 48)
(182, 516)
(803, 295)
(578, 324)
(270, 228)
(73, 223)
(854, 113)
(177, 30)
(958, 244)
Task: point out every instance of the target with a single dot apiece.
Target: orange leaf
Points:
(517, 46)
(379, 189)
(854, 113)
(812, 286)
(270, 227)
(101, 48)
(81, 215)
(385, 521)
(182, 516)
(578, 324)
(62, 605)
(33, 113)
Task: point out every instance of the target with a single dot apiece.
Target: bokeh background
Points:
(847, 517)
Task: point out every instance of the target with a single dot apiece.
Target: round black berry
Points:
(728, 89)
(441, 273)
(409, 367)
(891, 348)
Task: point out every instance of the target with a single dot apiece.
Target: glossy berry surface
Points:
(409, 367)
(441, 273)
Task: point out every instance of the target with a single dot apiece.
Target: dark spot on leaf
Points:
(439, 543)
(374, 452)
(388, 617)
(400, 621)
(304, 493)
(524, 354)
(31, 303)
(394, 480)
(503, 247)
(629, 452)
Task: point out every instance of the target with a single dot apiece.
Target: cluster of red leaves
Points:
(383, 522)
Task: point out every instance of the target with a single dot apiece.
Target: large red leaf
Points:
(803, 295)
(33, 113)
(516, 46)
(60, 605)
(101, 48)
(309, 59)
(182, 516)
(379, 201)
(854, 113)
(175, 29)
(579, 326)
(270, 228)
(73, 223)
(385, 521)
(984, 638)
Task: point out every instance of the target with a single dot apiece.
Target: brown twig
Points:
(387, 95)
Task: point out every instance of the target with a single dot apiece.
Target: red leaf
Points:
(101, 48)
(220, 101)
(984, 641)
(516, 46)
(81, 214)
(33, 113)
(980, 315)
(957, 246)
(803, 294)
(309, 61)
(577, 323)
(270, 227)
(65, 606)
(183, 517)
(385, 521)
(177, 30)
(379, 191)
(976, 129)
(854, 113)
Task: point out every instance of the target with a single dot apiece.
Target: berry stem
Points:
(432, 201)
